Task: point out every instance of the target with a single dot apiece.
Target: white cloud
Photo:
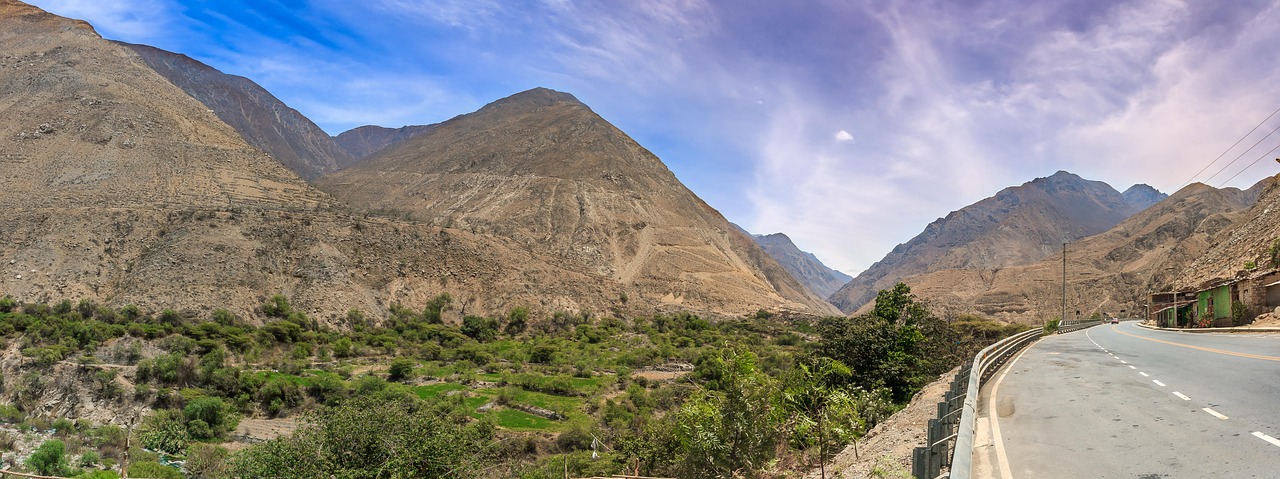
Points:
(844, 136)
(134, 20)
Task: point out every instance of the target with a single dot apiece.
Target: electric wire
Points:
(1224, 153)
(1264, 155)
(1241, 155)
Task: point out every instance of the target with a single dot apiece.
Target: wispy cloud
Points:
(137, 19)
(847, 125)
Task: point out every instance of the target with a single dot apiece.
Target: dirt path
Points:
(886, 450)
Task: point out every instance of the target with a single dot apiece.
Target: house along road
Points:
(1122, 401)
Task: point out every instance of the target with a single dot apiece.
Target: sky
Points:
(849, 125)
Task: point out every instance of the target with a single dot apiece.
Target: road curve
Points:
(1121, 401)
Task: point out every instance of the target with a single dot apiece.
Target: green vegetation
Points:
(509, 396)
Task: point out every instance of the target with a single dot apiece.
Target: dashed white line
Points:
(1124, 362)
(1182, 396)
(1132, 367)
(1145, 375)
(1264, 437)
(1158, 383)
(1215, 414)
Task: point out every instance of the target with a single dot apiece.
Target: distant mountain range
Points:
(136, 175)
(804, 266)
(1018, 225)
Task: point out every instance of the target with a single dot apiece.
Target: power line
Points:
(1264, 155)
(1233, 145)
(1241, 155)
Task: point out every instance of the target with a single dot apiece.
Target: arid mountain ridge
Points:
(123, 188)
(1018, 225)
(1152, 251)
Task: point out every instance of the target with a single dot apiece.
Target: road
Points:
(1121, 401)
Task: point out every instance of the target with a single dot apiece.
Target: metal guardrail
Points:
(927, 462)
(1069, 327)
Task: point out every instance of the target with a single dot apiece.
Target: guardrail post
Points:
(919, 456)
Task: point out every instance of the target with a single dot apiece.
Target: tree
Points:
(435, 309)
(480, 328)
(823, 414)
(517, 320)
(400, 369)
(370, 437)
(50, 459)
(733, 431)
(217, 417)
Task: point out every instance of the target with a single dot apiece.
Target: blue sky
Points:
(849, 125)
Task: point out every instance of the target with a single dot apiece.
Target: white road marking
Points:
(1124, 362)
(1145, 375)
(1180, 395)
(1158, 383)
(1215, 414)
(1264, 437)
(1132, 367)
(997, 441)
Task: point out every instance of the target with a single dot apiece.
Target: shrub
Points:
(480, 328)
(401, 369)
(154, 470)
(7, 304)
(89, 458)
(50, 459)
(163, 431)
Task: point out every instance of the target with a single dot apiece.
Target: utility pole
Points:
(1064, 284)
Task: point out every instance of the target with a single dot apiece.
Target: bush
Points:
(7, 304)
(400, 370)
(207, 460)
(50, 459)
(163, 431)
(480, 328)
(154, 470)
(88, 459)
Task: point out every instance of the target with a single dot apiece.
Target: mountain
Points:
(1106, 272)
(542, 169)
(362, 142)
(1252, 237)
(802, 265)
(263, 120)
(120, 187)
(1142, 196)
(1018, 225)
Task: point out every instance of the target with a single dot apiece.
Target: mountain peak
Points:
(536, 98)
(1142, 195)
(32, 15)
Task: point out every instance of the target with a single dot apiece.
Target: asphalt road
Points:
(1121, 401)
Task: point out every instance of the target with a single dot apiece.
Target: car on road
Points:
(1115, 320)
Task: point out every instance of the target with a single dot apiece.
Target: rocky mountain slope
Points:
(1106, 272)
(362, 142)
(261, 119)
(543, 170)
(1251, 237)
(1018, 225)
(122, 188)
(803, 266)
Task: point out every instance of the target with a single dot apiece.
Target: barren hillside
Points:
(542, 169)
(1107, 272)
(1018, 225)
